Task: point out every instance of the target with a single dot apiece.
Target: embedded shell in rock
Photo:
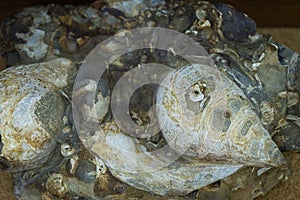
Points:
(213, 152)
(233, 134)
(31, 111)
(219, 125)
(56, 185)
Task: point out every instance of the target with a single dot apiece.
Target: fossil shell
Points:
(66, 150)
(56, 185)
(266, 74)
(203, 115)
(181, 177)
(31, 111)
(217, 125)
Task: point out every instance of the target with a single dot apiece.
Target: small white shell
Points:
(31, 111)
(195, 93)
(100, 166)
(66, 150)
(74, 160)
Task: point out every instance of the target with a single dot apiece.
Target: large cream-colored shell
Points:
(31, 110)
(198, 135)
(222, 126)
(124, 155)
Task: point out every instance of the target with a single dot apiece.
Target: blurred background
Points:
(279, 18)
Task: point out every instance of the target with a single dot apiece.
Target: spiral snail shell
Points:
(31, 111)
(205, 115)
(208, 116)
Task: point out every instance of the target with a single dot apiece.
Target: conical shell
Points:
(222, 125)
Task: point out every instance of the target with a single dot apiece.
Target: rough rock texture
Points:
(70, 46)
(286, 190)
(6, 186)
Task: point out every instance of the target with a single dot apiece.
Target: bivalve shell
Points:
(31, 111)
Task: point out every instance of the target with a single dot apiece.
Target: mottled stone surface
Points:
(70, 44)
